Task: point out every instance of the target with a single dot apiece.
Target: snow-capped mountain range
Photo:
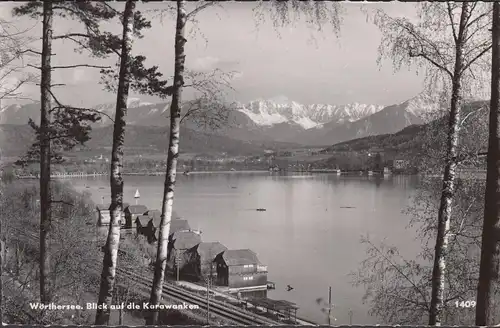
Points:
(278, 119)
(281, 110)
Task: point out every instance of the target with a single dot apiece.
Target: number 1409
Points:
(465, 304)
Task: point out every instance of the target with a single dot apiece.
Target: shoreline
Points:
(316, 171)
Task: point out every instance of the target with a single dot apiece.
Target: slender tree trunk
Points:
(45, 193)
(2, 254)
(489, 283)
(173, 152)
(448, 191)
(116, 181)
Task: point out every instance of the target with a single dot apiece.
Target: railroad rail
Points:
(222, 310)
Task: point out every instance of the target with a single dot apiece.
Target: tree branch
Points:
(81, 65)
(200, 8)
(399, 271)
(485, 50)
(69, 36)
(433, 62)
(60, 105)
(450, 16)
(33, 66)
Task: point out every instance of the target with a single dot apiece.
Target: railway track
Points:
(222, 310)
(202, 301)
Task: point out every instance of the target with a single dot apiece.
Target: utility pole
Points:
(209, 281)
(208, 300)
(177, 262)
(330, 306)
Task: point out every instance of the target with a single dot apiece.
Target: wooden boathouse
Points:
(131, 214)
(241, 271)
(201, 258)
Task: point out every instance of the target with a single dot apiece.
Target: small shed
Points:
(103, 214)
(131, 214)
(179, 245)
(201, 259)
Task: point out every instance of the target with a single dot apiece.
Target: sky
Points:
(296, 62)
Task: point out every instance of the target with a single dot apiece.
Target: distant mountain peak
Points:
(280, 109)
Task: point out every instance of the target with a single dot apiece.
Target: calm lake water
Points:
(305, 237)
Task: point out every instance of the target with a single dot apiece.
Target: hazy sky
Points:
(299, 63)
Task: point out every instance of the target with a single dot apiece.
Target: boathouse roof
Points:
(183, 240)
(208, 251)
(178, 225)
(153, 213)
(239, 257)
(142, 220)
(136, 209)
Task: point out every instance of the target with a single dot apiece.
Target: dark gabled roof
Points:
(153, 213)
(239, 257)
(101, 207)
(136, 209)
(143, 220)
(155, 221)
(178, 225)
(209, 250)
(185, 240)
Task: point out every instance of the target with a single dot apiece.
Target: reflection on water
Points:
(309, 234)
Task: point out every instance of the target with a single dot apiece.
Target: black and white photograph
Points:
(250, 163)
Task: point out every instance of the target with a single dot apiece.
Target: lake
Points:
(305, 237)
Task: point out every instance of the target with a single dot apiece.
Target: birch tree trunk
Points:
(445, 207)
(45, 193)
(173, 152)
(489, 283)
(116, 181)
(2, 253)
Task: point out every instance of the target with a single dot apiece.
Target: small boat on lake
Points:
(261, 210)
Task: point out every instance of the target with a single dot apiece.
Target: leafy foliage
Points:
(429, 43)
(143, 80)
(398, 289)
(71, 125)
(72, 246)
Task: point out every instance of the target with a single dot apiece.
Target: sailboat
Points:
(137, 196)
